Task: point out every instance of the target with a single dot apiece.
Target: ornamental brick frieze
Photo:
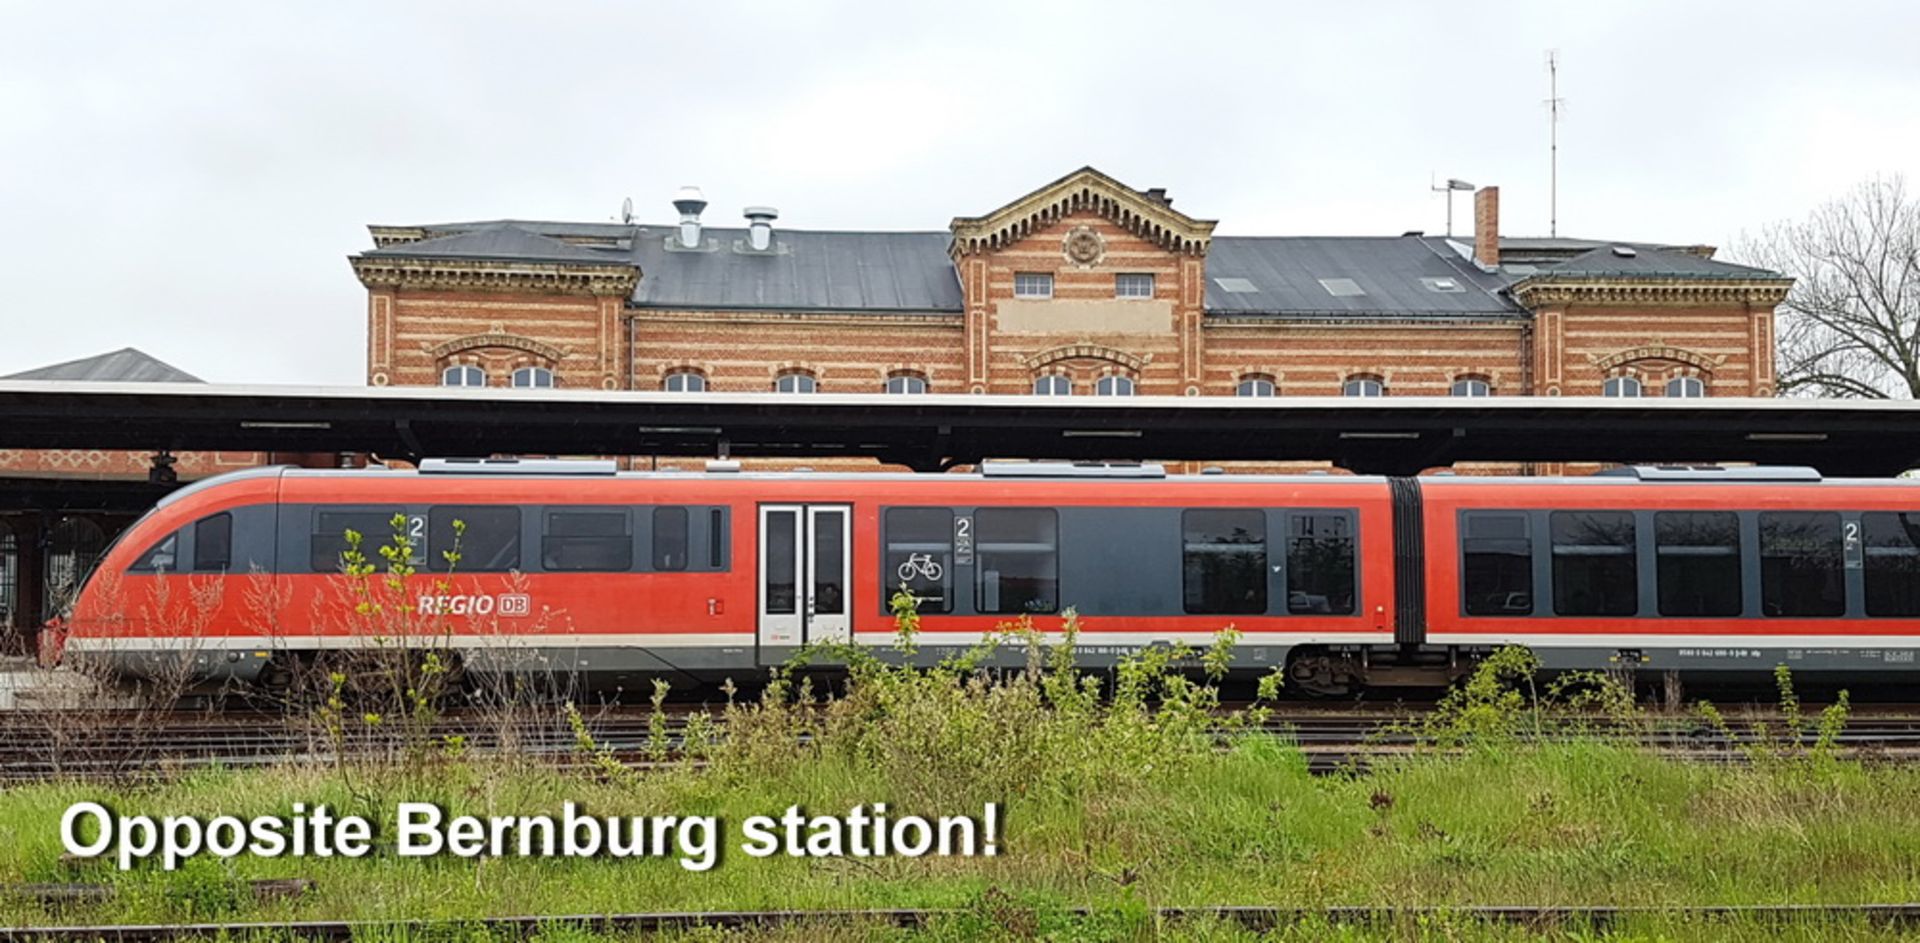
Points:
(1657, 351)
(1086, 351)
(1541, 291)
(523, 277)
(1086, 190)
(497, 339)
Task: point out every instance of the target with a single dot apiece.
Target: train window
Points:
(1320, 564)
(487, 541)
(213, 544)
(329, 540)
(1224, 560)
(779, 539)
(161, 556)
(1595, 569)
(717, 538)
(1496, 554)
(1801, 564)
(1892, 566)
(1697, 556)
(587, 539)
(670, 538)
(920, 555)
(1018, 550)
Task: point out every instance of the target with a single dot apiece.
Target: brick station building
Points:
(1085, 286)
(1082, 287)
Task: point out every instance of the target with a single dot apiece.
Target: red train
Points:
(570, 567)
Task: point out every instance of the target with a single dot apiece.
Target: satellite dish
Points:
(626, 210)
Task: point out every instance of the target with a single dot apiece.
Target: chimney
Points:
(689, 201)
(1486, 227)
(1159, 195)
(760, 226)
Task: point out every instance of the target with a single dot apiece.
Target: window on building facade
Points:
(685, 381)
(1254, 386)
(906, 383)
(463, 375)
(1052, 384)
(1113, 385)
(1471, 386)
(1127, 285)
(795, 383)
(1686, 387)
(532, 377)
(1032, 285)
(1621, 386)
(1364, 386)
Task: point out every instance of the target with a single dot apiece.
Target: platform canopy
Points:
(1390, 435)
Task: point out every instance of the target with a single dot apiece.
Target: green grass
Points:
(1114, 797)
(1563, 824)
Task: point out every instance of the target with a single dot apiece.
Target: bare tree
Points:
(1851, 325)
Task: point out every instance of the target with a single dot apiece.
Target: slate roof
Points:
(1610, 261)
(497, 242)
(1329, 277)
(1392, 275)
(805, 270)
(125, 365)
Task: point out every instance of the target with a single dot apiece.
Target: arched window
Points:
(906, 383)
(1363, 386)
(1471, 386)
(1621, 386)
(463, 374)
(1052, 384)
(1687, 387)
(795, 383)
(73, 546)
(685, 381)
(532, 378)
(1113, 385)
(1255, 386)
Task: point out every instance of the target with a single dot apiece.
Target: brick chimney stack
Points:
(1486, 226)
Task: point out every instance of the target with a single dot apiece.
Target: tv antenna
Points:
(1554, 101)
(1452, 186)
(626, 211)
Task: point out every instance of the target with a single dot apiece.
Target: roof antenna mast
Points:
(1554, 101)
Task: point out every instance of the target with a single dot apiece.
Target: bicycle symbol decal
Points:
(922, 565)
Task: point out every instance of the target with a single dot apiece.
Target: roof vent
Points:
(996, 469)
(1625, 252)
(760, 226)
(1713, 473)
(517, 466)
(690, 202)
(1213, 470)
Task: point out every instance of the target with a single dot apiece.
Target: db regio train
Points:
(1347, 582)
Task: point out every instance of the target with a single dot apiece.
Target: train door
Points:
(805, 569)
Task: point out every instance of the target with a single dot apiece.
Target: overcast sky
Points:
(189, 179)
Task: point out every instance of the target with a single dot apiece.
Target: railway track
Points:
(104, 745)
(1252, 918)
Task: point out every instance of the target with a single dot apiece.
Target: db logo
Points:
(506, 604)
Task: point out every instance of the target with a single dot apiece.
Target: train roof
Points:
(602, 470)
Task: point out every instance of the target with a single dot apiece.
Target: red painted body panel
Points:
(1444, 500)
(126, 605)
